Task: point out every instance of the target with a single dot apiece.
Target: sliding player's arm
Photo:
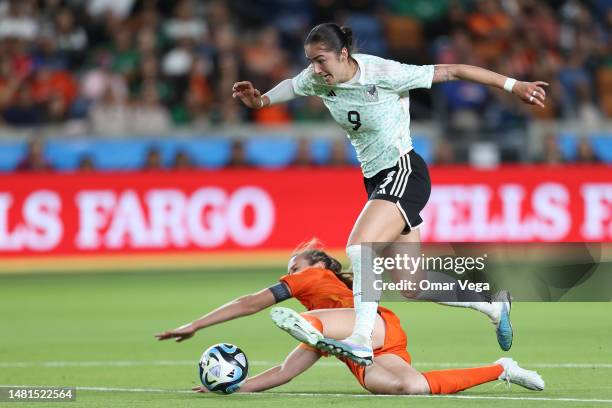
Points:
(298, 361)
(531, 93)
(243, 306)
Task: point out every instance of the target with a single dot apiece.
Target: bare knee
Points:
(408, 387)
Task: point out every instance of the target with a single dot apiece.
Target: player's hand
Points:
(532, 93)
(180, 333)
(202, 389)
(250, 96)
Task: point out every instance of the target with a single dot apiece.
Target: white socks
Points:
(470, 301)
(365, 312)
(489, 309)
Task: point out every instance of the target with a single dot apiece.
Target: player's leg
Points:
(498, 309)
(380, 221)
(504, 369)
(390, 374)
(339, 323)
(310, 327)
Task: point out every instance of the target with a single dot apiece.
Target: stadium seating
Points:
(65, 154)
(270, 151)
(567, 144)
(423, 147)
(208, 152)
(11, 153)
(214, 151)
(601, 143)
(602, 146)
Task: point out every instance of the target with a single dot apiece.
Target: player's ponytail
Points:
(348, 35)
(332, 36)
(311, 251)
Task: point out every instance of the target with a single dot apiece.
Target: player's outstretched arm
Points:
(532, 93)
(252, 98)
(243, 306)
(248, 94)
(298, 361)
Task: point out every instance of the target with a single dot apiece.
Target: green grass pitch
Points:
(95, 331)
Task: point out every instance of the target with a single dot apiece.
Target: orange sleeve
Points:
(299, 282)
(294, 282)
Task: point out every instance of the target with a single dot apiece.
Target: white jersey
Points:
(374, 109)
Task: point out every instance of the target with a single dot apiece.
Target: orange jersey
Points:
(318, 288)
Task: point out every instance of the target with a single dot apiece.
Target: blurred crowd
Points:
(148, 66)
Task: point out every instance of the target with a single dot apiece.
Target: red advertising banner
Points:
(520, 204)
(70, 214)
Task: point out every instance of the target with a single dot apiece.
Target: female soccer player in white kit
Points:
(368, 97)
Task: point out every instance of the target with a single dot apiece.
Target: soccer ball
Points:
(223, 368)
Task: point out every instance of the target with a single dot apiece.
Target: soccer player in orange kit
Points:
(316, 280)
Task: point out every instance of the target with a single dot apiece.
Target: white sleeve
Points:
(304, 81)
(404, 77)
(282, 92)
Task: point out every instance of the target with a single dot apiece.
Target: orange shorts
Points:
(395, 343)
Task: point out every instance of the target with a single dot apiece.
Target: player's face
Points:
(297, 264)
(327, 64)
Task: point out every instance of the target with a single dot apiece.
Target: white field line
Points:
(326, 395)
(139, 363)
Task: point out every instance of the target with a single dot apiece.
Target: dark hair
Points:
(332, 36)
(311, 251)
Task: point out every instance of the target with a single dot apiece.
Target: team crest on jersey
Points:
(371, 93)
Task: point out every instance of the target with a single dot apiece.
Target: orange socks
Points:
(314, 320)
(452, 381)
(317, 324)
